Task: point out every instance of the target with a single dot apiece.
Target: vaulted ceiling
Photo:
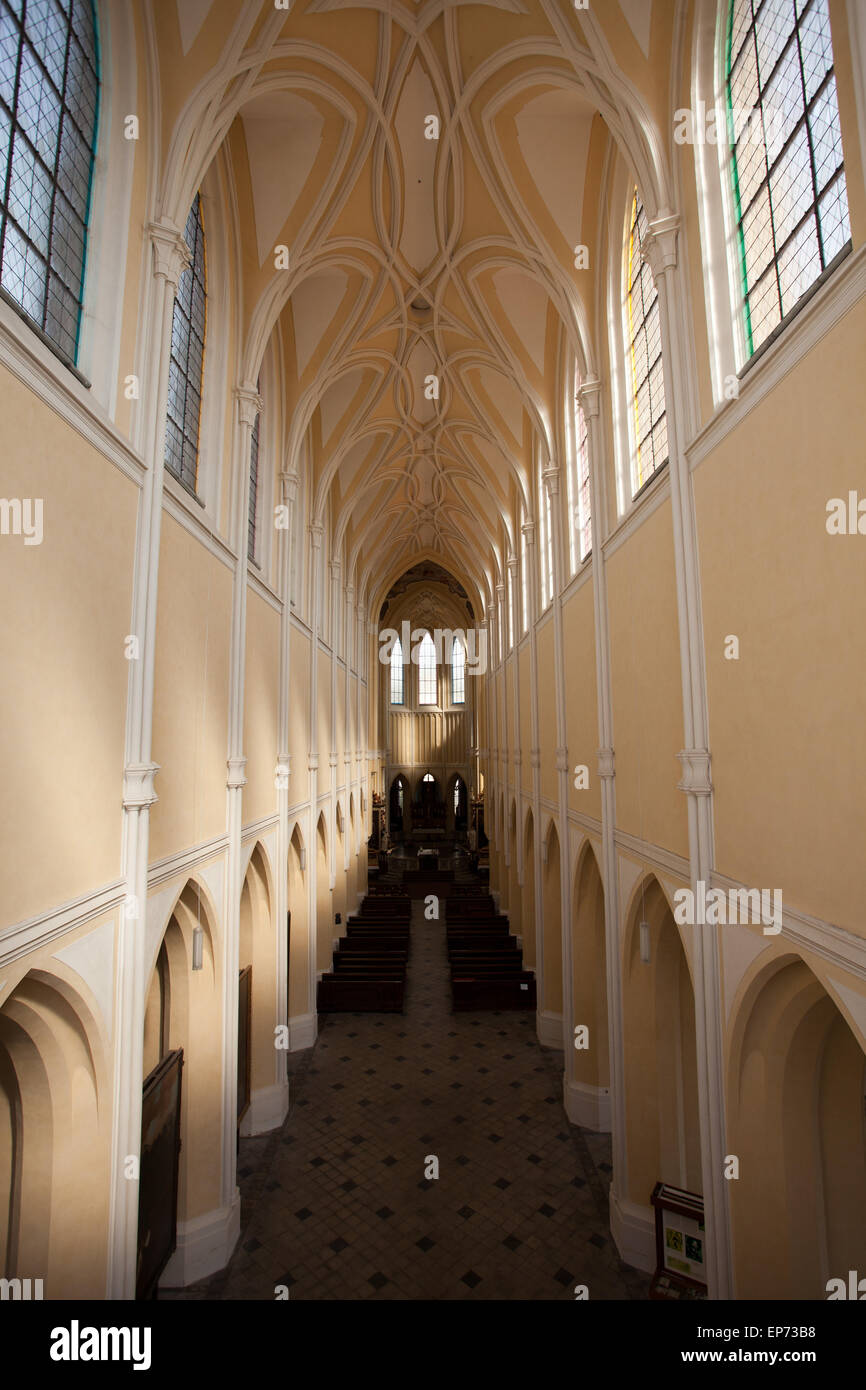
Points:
(426, 166)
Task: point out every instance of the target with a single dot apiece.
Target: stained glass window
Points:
(790, 197)
(458, 672)
(427, 671)
(187, 357)
(650, 443)
(397, 673)
(254, 489)
(580, 531)
(49, 99)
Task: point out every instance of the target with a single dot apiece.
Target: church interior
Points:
(432, 556)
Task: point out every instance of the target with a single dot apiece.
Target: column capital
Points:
(249, 404)
(171, 255)
(535, 757)
(511, 564)
(350, 595)
(138, 779)
(289, 483)
(236, 779)
(562, 759)
(605, 762)
(334, 567)
(528, 530)
(660, 248)
(695, 780)
(500, 589)
(589, 396)
(313, 762)
(550, 476)
(317, 534)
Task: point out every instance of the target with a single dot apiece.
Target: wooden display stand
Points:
(681, 1244)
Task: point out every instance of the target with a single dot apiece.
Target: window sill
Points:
(63, 390)
(814, 317)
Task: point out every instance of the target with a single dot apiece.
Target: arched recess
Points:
(352, 874)
(590, 1066)
(796, 1077)
(399, 807)
(54, 1149)
(661, 1088)
(499, 850)
(324, 913)
(258, 949)
(299, 943)
(340, 894)
(514, 905)
(551, 896)
(183, 1010)
(527, 897)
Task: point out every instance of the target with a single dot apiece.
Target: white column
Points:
(170, 257)
(551, 482)
(661, 254)
(248, 404)
(317, 532)
(283, 771)
(589, 395)
(332, 752)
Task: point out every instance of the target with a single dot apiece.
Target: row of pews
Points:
(486, 962)
(369, 964)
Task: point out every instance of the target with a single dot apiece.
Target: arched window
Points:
(579, 505)
(509, 599)
(458, 672)
(456, 796)
(650, 430)
(254, 489)
(787, 173)
(49, 97)
(427, 671)
(545, 536)
(397, 673)
(187, 357)
(524, 583)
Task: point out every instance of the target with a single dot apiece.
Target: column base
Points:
(587, 1106)
(204, 1246)
(548, 1028)
(633, 1228)
(303, 1030)
(269, 1106)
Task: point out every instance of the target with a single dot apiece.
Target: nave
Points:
(335, 1204)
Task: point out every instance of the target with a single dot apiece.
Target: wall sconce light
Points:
(645, 942)
(303, 858)
(197, 947)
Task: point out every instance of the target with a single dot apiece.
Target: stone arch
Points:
(324, 916)
(54, 1151)
(590, 1067)
(551, 897)
(796, 1080)
(257, 947)
(527, 897)
(660, 1058)
(191, 1012)
(299, 945)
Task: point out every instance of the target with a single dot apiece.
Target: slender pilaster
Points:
(282, 773)
(551, 482)
(317, 532)
(170, 257)
(661, 254)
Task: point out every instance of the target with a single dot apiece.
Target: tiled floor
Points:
(336, 1204)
